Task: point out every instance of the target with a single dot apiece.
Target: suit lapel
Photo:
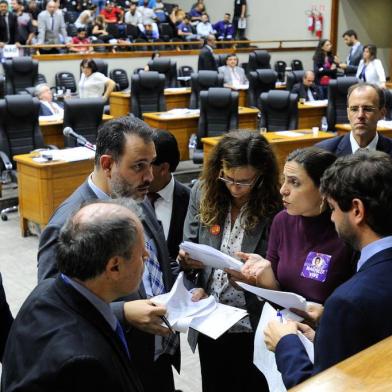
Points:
(344, 146)
(380, 257)
(382, 144)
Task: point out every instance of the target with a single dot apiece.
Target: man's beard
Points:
(120, 188)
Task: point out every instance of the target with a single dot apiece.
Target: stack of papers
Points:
(210, 256)
(68, 155)
(319, 103)
(206, 316)
(177, 89)
(290, 133)
(180, 113)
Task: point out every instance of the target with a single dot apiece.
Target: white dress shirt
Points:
(164, 205)
(372, 146)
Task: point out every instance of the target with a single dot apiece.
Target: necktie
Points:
(349, 56)
(154, 270)
(121, 335)
(153, 197)
(53, 108)
(52, 28)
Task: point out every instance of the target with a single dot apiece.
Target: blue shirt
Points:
(185, 28)
(375, 247)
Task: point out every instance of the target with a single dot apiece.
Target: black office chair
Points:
(218, 115)
(20, 73)
(185, 72)
(84, 116)
(337, 100)
(202, 81)
(280, 68)
(120, 77)
(132, 32)
(388, 104)
(40, 79)
(260, 81)
(259, 59)
(147, 93)
(19, 134)
(278, 110)
(66, 80)
(292, 78)
(166, 67)
(2, 86)
(220, 59)
(102, 66)
(296, 65)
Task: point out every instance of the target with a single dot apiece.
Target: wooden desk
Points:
(310, 116)
(183, 127)
(120, 103)
(282, 145)
(342, 129)
(370, 371)
(42, 187)
(52, 131)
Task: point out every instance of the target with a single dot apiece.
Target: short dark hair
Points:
(350, 33)
(167, 150)
(379, 91)
(366, 176)
(81, 29)
(314, 160)
(111, 136)
(84, 249)
(372, 50)
(231, 55)
(89, 63)
(4, 2)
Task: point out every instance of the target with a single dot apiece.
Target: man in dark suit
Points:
(47, 106)
(123, 168)
(358, 189)
(206, 56)
(307, 89)
(5, 319)
(8, 25)
(366, 105)
(350, 67)
(66, 336)
(168, 196)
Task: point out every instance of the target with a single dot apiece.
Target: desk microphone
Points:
(81, 140)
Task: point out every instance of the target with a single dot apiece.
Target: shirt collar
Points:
(98, 191)
(372, 146)
(167, 192)
(375, 247)
(102, 307)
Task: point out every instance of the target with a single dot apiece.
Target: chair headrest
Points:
(84, 103)
(278, 99)
(267, 75)
(262, 56)
(160, 64)
(21, 105)
(22, 64)
(207, 78)
(149, 79)
(298, 75)
(218, 97)
(344, 83)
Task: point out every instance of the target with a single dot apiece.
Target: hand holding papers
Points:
(210, 256)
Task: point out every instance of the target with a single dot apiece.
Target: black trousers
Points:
(227, 364)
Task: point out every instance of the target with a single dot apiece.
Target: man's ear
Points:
(358, 211)
(113, 268)
(106, 162)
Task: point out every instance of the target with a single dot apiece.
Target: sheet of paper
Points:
(281, 298)
(53, 117)
(290, 133)
(176, 89)
(319, 103)
(264, 359)
(210, 256)
(72, 154)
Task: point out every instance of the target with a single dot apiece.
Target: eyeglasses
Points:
(237, 183)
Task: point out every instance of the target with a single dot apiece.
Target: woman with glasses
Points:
(231, 209)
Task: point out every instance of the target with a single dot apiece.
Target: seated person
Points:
(48, 107)
(196, 13)
(86, 17)
(234, 76)
(149, 31)
(204, 28)
(80, 39)
(148, 14)
(111, 13)
(184, 30)
(307, 89)
(133, 16)
(224, 28)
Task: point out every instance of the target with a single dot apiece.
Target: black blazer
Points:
(180, 207)
(5, 319)
(12, 28)
(354, 61)
(64, 344)
(302, 92)
(206, 60)
(341, 145)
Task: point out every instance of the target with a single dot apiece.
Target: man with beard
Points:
(358, 189)
(123, 168)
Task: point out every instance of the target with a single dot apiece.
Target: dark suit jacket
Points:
(5, 319)
(12, 28)
(180, 207)
(206, 60)
(354, 318)
(300, 89)
(141, 344)
(354, 61)
(64, 344)
(341, 145)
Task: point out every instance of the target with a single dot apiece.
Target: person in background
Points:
(133, 16)
(93, 83)
(6, 319)
(350, 38)
(8, 26)
(85, 18)
(370, 68)
(307, 89)
(324, 65)
(99, 29)
(111, 13)
(239, 17)
(47, 106)
(233, 76)
(155, 55)
(224, 28)
(148, 3)
(231, 209)
(204, 28)
(184, 30)
(148, 14)
(149, 31)
(206, 59)
(80, 39)
(26, 31)
(33, 9)
(196, 12)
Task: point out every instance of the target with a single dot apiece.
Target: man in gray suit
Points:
(355, 55)
(51, 27)
(233, 76)
(123, 168)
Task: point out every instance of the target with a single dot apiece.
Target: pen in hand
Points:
(280, 316)
(165, 321)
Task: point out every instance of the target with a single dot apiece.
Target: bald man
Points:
(66, 336)
(307, 89)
